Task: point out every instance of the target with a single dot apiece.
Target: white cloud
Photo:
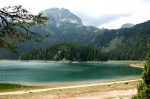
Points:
(93, 12)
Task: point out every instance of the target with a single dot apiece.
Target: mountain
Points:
(64, 26)
(61, 16)
(127, 25)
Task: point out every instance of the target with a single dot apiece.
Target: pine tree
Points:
(144, 86)
(15, 26)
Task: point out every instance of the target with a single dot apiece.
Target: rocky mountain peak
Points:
(127, 25)
(60, 16)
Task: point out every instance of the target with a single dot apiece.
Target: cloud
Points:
(146, 1)
(106, 13)
(99, 20)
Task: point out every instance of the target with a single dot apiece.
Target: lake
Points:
(45, 72)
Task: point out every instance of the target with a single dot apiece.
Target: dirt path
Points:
(66, 87)
(116, 94)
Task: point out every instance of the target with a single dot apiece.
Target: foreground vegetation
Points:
(144, 86)
(15, 24)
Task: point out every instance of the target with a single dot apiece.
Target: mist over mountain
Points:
(64, 26)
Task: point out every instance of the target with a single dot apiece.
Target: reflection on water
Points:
(27, 72)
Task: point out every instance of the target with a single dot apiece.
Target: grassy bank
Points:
(91, 91)
(6, 87)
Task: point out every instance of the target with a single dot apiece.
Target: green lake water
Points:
(45, 72)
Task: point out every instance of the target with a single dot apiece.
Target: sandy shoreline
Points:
(138, 65)
(69, 87)
(88, 82)
(111, 90)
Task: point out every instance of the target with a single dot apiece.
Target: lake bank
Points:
(60, 84)
(68, 61)
(68, 84)
(138, 65)
(97, 90)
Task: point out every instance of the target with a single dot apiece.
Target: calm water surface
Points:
(32, 72)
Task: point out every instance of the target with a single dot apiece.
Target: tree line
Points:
(65, 51)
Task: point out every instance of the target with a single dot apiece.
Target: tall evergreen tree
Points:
(15, 24)
(65, 51)
(144, 86)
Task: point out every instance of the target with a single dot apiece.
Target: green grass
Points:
(5, 87)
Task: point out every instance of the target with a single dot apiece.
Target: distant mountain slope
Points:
(64, 26)
(127, 25)
(134, 45)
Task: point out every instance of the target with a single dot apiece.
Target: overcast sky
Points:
(109, 14)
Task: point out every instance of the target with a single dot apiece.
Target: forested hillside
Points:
(63, 26)
(134, 45)
(65, 51)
